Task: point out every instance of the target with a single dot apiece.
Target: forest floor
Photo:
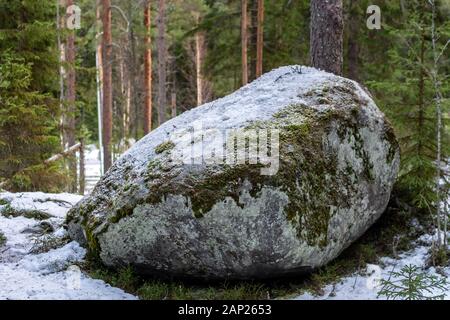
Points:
(38, 260)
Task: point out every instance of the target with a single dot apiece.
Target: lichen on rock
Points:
(337, 161)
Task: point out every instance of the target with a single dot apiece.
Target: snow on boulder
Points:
(274, 179)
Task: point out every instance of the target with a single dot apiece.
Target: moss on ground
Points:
(9, 211)
(2, 239)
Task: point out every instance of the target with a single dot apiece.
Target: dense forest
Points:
(75, 73)
(196, 50)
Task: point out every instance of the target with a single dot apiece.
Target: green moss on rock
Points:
(167, 145)
(309, 172)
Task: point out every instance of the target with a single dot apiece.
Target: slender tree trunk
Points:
(326, 43)
(82, 169)
(198, 63)
(132, 62)
(148, 69)
(107, 83)
(124, 84)
(174, 104)
(253, 38)
(162, 62)
(70, 103)
(353, 41)
(260, 39)
(421, 114)
(244, 41)
(128, 105)
(61, 56)
(438, 101)
(99, 80)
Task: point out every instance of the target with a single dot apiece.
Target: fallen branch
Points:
(63, 154)
(53, 158)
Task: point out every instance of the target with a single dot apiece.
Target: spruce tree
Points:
(28, 108)
(405, 93)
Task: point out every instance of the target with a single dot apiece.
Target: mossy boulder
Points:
(174, 205)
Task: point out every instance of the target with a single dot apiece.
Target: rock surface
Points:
(163, 210)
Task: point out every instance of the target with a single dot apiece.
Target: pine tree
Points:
(260, 39)
(148, 69)
(162, 62)
(107, 84)
(244, 41)
(327, 27)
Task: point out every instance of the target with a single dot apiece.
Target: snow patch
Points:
(52, 275)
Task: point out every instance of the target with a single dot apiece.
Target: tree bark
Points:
(82, 169)
(70, 109)
(107, 83)
(326, 44)
(99, 80)
(148, 69)
(260, 39)
(421, 101)
(198, 63)
(174, 104)
(353, 42)
(61, 57)
(442, 229)
(162, 62)
(132, 62)
(252, 38)
(244, 41)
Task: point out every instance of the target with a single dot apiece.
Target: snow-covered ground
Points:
(365, 285)
(48, 275)
(92, 167)
(25, 274)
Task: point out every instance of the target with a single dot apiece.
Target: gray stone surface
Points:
(338, 160)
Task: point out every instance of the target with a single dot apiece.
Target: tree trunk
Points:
(70, 104)
(422, 75)
(132, 62)
(442, 230)
(244, 42)
(61, 56)
(260, 39)
(326, 42)
(99, 80)
(198, 63)
(252, 38)
(82, 168)
(148, 69)
(174, 104)
(107, 83)
(353, 41)
(162, 62)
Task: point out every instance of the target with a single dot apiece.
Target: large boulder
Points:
(184, 201)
